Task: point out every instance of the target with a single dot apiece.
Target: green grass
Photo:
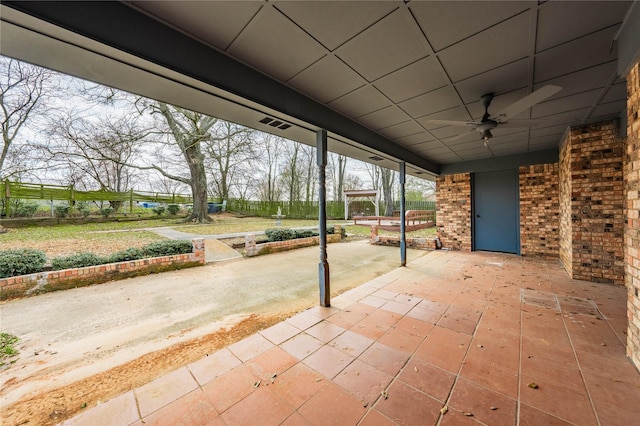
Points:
(232, 226)
(85, 231)
(365, 231)
(7, 348)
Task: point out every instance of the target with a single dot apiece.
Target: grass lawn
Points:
(109, 237)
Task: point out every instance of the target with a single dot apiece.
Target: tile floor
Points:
(453, 338)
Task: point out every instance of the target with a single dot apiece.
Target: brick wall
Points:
(26, 285)
(453, 211)
(539, 210)
(632, 210)
(596, 192)
(564, 174)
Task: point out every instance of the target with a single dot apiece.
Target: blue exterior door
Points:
(496, 224)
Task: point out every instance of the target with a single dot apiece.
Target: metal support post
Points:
(323, 266)
(403, 219)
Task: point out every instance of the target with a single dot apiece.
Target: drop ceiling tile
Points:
(567, 103)
(446, 158)
(360, 102)
(335, 22)
(569, 118)
(608, 110)
(545, 142)
(415, 139)
(414, 79)
(591, 50)
(384, 118)
(582, 80)
(589, 17)
(327, 79)
(446, 23)
(217, 23)
(275, 45)
(616, 92)
(432, 151)
(427, 146)
(488, 50)
(407, 128)
(507, 149)
(387, 46)
(500, 80)
(429, 103)
(546, 131)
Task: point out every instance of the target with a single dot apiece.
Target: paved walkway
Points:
(453, 338)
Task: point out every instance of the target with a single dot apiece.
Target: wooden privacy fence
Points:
(35, 191)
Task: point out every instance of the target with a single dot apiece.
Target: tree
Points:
(188, 130)
(339, 166)
(24, 90)
(272, 147)
(387, 178)
(97, 152)
(310, 167)
(230, 150)
(290, 174)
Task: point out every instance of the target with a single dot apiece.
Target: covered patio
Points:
(453, 338)
(410, 85)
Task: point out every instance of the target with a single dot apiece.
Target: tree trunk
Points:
(386, 176)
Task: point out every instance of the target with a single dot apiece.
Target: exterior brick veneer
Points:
(592, 199)
(453, 211)
(25, 285)
(632, 210)
(539, 210)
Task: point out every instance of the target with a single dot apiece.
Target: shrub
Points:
(106, 212)
(158, 210)
(25, 210)
(332, 230)
(83, 208)
(304, 233)
(61, 211)
(173, 209)
(167, 248)
(21, 262)
(126, 255)
(78, 260)
(276, 234)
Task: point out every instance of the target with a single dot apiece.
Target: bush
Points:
(83, 208)
(276, 234)
(24, 210)
(167, 248)
(158, 210)
(126, 255)
(78, 260)
(305, 233)
(21, 262)
(173, 209)
(106, 212)
(61, 211)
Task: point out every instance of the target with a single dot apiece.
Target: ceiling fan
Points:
(502, 118)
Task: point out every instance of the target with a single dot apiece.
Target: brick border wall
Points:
(539, 210)
(453, 211)
(26, 285)
(253, 249)
(632, 210)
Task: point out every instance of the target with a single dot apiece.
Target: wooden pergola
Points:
(361, 193)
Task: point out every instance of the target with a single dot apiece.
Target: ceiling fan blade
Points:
(525, 103)
(451, 122)
(460, 136)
